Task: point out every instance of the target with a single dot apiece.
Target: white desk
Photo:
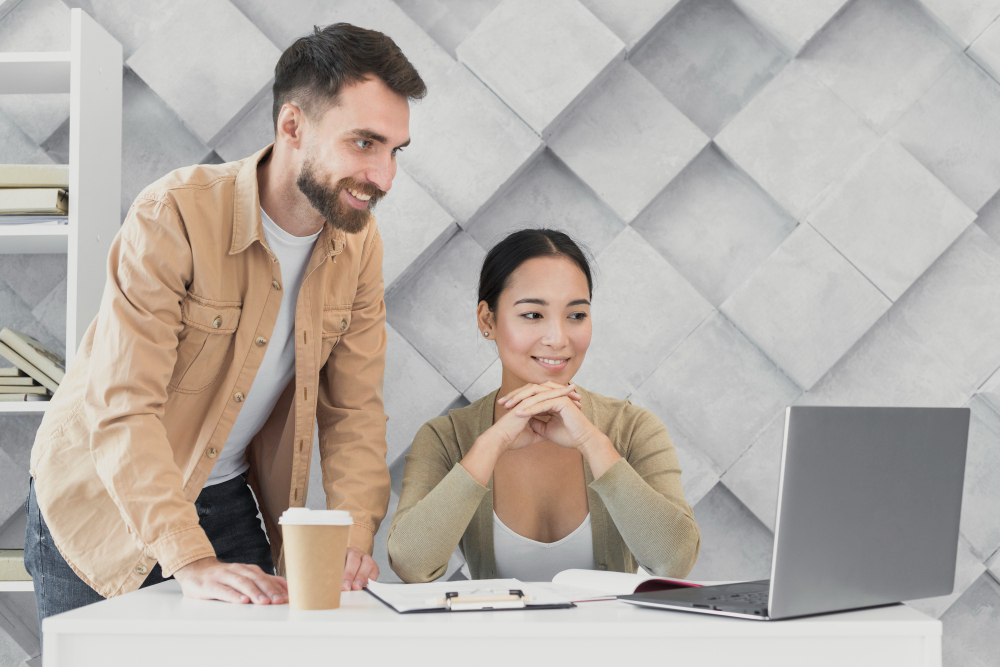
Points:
(158, 626)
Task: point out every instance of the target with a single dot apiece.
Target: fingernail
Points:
(261, 598)
(276, 598)
(357, 582)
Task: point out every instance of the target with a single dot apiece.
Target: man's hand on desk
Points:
(359, 568)
(210, 579)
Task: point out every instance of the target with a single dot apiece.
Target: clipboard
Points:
(462, 596)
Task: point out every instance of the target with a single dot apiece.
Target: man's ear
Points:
(291, 123)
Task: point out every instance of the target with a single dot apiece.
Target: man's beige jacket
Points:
(191, 298)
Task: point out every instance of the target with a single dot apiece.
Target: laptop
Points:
(869, 501)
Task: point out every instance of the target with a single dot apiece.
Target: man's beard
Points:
(327, 200)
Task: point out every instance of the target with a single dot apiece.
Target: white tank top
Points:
(521, 558)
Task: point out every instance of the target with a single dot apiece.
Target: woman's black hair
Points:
(504, 258)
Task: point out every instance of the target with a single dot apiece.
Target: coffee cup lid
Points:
(304, 516)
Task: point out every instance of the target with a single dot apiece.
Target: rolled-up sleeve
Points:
(350, 412)
(133, 355)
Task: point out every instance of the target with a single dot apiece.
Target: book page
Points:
(608, 583)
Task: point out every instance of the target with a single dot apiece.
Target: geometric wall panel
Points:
(539, 67)
(790, 23)
(754, 478)
(597, 139)
(413, 227)
(39, 25)
(879, 57)
(547, 194)
(210, 101)
(436, 312)
(982, 481)
(714, 224)
(966, 19)
(889, 366)
(986, 50)
(796, 138)
(718, 408)
(734, 544)
(631, 21)
(972, 626)
(708, 60)
(954, 130)
(643, 295)
(954, 308)
(805, 306)
(891, 218)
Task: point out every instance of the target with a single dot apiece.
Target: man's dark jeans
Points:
(227, 512)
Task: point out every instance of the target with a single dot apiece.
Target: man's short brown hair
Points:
(312, 70)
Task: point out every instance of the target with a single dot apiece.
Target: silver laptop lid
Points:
(869, 502)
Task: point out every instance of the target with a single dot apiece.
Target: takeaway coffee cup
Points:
(315, 546)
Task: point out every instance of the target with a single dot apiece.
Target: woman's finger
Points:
(541, 407)
(543, 396)
(520, 394)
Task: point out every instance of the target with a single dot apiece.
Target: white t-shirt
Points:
(519, 557)
(278, 366)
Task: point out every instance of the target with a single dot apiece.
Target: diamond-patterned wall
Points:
(788, 203)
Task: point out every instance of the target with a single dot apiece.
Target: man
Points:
(244, 304)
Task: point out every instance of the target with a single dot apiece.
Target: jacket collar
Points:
(247, 226)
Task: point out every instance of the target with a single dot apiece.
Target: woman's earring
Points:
(486, 334)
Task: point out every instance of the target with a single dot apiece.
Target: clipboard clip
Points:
(515, 599)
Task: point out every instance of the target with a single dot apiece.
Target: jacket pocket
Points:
(209, 328)
(336, 322)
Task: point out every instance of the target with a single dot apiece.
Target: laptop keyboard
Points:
(750, 598)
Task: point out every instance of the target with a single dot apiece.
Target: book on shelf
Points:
(16, 380)
(11, 372)
(12, 565)
(33, 201)
(35, 353)
(36, 220)
(34, 176)
(37, 390)
(19, 361)
(21, 398)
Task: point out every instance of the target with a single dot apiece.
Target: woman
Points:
(541, 476)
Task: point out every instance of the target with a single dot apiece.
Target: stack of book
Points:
(37, 370)
(34, 193)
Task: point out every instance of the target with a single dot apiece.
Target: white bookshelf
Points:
(16, 586)
(91, 72)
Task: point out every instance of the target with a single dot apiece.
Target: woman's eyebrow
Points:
(543, 302)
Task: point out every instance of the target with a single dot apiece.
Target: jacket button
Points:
(217, 322)
(211, 452)
(261, 341)
(141, 569)
(602, 566)
(275, 284)
(238, 397)
(343, 324)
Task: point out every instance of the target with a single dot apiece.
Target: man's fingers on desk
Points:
(367, 572)
(276, 588)
(351, 567)
(247, 587)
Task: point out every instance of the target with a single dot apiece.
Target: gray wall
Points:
(789, 203)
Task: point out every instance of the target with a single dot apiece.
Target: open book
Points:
(567, 587)
(592, 585)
